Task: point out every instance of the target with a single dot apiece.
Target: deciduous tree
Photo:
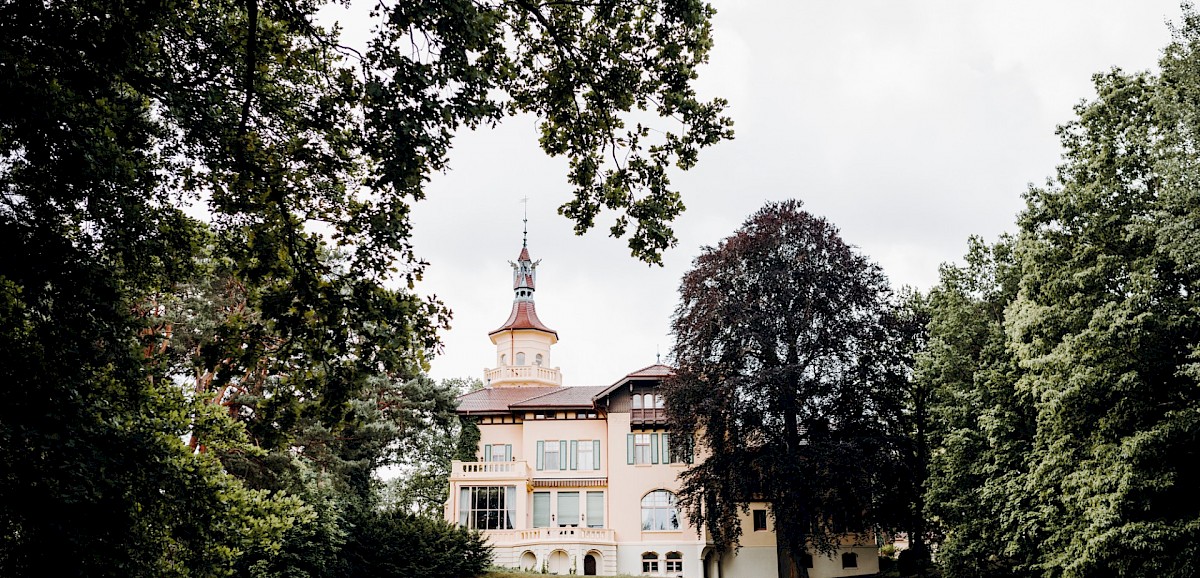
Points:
(791, 368)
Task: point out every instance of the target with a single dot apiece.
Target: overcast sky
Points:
(909, 125)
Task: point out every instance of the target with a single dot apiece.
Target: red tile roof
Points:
(656, 371)
(573, 397)
(523, 316)
(498, 399)
(506, 399)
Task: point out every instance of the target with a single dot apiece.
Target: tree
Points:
(127, 121)
(790, 367)
(981, 427)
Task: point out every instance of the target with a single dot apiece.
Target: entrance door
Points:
(589, 565)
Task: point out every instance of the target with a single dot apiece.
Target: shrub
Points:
(396, 544)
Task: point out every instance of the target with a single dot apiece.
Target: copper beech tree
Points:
(792, 362)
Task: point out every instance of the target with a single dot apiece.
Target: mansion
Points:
(582, 479)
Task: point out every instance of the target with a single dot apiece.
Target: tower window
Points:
(503, 359)
(521, 358)
(537, 360)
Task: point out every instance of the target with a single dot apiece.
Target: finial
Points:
(525, 228)
(657, 356)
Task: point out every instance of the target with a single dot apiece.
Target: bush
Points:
(396, 544)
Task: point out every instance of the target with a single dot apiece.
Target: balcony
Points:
(541, 535)
(482, 471)
(523, 373)
(647, 416)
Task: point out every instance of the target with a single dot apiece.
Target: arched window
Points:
(503, 359)
(637, 402)
(674, 562)
(658, 401)
(649, 562)
(537, 360)
(521, 358)
(648, 401)
(849, 560)
(658, 511)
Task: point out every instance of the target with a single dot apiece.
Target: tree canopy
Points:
(1068, 421)
(206, 295)
(792, 359)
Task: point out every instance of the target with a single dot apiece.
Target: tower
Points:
(523, 342)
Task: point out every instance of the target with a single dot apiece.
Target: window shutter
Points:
(487, 452)
(629, 449)
(654, 448)
(691, 446)
(595, 454)
(574, 455)
(666, 448)
(541, 453)
(541, 509)
(595, 509)
(562, 455)
(508, 452)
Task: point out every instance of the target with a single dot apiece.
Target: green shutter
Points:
(574, 455)
(562, 455)
(666, 448)
(691, 446)
(487, 452)
(541, 451)
(654, 448)
(508, 452)
(595, 454)
(629, 448)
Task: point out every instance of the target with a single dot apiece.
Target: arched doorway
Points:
(529, 561)
(589, 565)
(558, 562)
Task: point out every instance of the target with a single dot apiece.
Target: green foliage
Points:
(424, 456)
(792, 363)
(175, 382)
(397, 544)
(1066, 357)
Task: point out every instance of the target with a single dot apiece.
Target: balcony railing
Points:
(490, 470)
(590, 535)
(648, 416)
(548, 375)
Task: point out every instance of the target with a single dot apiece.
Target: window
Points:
(503, 359)
(497, 452)
(551, 456)
(568, 509)
(648, 401)
(487, 507)
(649, 562)
(658, 401)
(521, 358)
(658, 511)
(849, 560)
(677, 449)
(641, 448)
(595, 509)
(587, 454)
(674, 562)
(537, 359)
(637, 402)
(541, 509)
(760, 520)
(807, 560)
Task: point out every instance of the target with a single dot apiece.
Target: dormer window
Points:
(537, 360)
(521, 358)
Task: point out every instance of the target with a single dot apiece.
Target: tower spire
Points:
(525, 226)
